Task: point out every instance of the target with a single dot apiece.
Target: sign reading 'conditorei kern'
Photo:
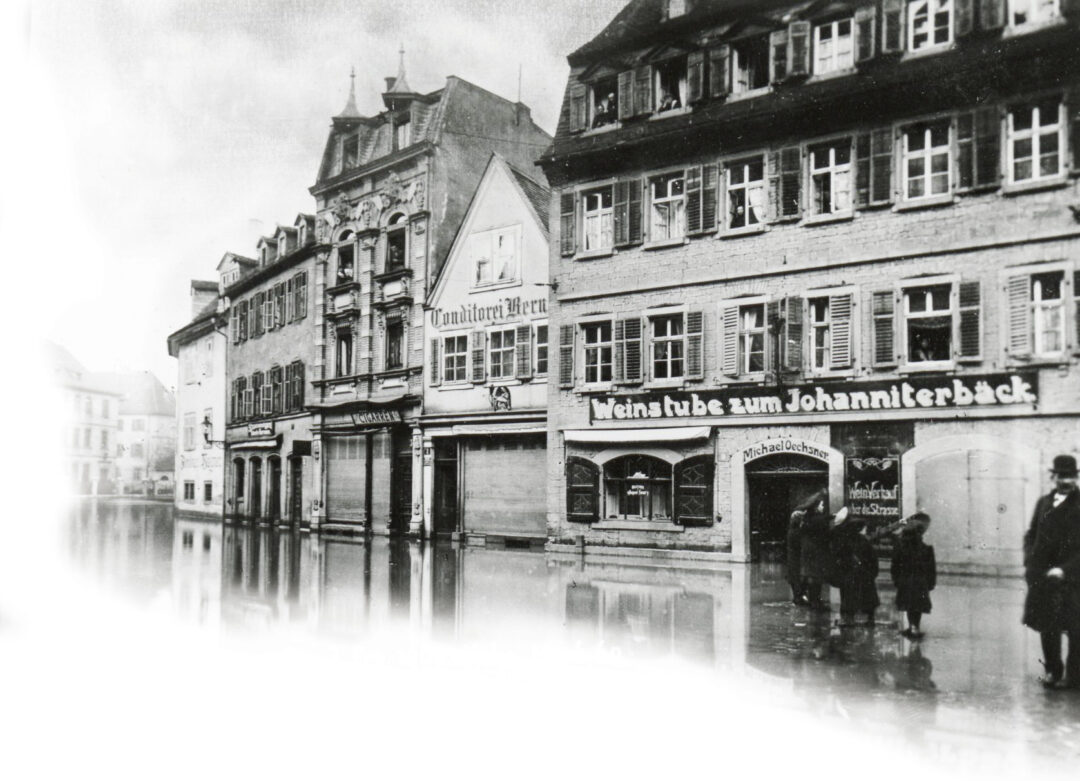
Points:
(915, 393)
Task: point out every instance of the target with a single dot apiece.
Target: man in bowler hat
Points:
(1052, 571)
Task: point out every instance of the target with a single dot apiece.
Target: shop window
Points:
(455, 358)
(604, 102)
(541, 341)
(344, 353)
(1032, 12)
(670, 84)
(346, 264)
(638, 487)
(189, 431)
(830, 178)
(834, 46)
(668, 207)
(396, 236)
(928, 325)
(746, 193)
(582, 490)
(1036, 138)
(395, 338)
(597, 219)
(694, 491)
(749, 64)
(927, 163)
(668, 343)
(597, 347)
(501, 354)
(930, 24)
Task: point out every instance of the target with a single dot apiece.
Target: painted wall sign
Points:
(775, 446)
(475, 314)
(261, 429)
(872, 488)
(914, 393)
(376, 416)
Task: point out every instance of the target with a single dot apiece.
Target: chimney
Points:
(202, 293)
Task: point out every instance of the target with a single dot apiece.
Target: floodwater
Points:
(969, 685)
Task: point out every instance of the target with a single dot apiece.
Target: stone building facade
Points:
(820, 246)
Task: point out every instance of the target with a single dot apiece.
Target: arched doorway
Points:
(255, 501)
(776, 484)
(273, 495)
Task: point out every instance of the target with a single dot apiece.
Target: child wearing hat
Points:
(855, 568)
(914, 572)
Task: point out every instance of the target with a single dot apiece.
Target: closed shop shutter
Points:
(345, 478)
(380, 479)
(505, 485)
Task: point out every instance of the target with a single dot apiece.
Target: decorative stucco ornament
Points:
(341, 208)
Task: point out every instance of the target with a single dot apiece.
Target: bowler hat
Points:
(1064, 466)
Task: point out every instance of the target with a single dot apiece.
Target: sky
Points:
(155, 135)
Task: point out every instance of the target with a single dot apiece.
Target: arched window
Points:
(638, 487)
(346, 258)
(694, 491)
(582, 491)
(396, 235)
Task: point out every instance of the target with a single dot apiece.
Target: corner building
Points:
(824, 245)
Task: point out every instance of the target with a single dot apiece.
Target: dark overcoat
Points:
(914, 573)
(856, 569)
(814, 550)
(1053, 540)
(793, 562)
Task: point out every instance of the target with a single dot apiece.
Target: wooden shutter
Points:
(969, 342)
(693, 199)
(276, 379)
(635, 212)
(1072, 116)
(290, 300)
(778, 53)
(792, 348)
(260, 399)
(774, 336)
(251, 309)
(620, 211)
(864, 167)
(1018, 299)
(988, 147)
(892, 25)
(578, 108)
(729, 343)
(568, 223)
(1076, 310)
(566, 356)
(618, 351)
(992, 14)
(840, 347)
(298, 385)
(435, 366)
(479, 347)
(694, 491)
(523, 352)
(865, 33)
(626, 95)
(632, 349)
(884, 316)
(243, 320)
(643, 100)
(799, 49)
(582, 491)
(234, 325)
(720, 71)
(232, 402)
(301, 295)
(873, 168)
(785, 182)
(964, 16)
(695, 76)
(709, 195)
(695, 345)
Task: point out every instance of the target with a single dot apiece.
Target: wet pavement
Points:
(968, 688)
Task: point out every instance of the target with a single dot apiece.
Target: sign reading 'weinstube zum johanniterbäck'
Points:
(916, 393)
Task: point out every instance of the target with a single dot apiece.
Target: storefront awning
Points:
(257, 444)
(682, 434)
(500, 428)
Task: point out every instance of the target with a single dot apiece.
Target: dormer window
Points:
(283, 245)
(396, 235)
(301, 234)
(677, 8)
(930, 24)
(350, 152)
(670, 83)
(1031, 12)
(264, 255)
(402, 133)
(604, 102)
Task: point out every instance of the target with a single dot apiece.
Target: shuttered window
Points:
(667, 344)
(566, 356)
(744, 337)
(694, 492)
(577, 107)
(799, 49)
(1036, 141)
(720, 73)
(892, 25)
(597, 352)
(523, 365)
(604, 102)
(1037, 322)
(541, 342)
(830, 177)
(582, 490)
(778, 56)
(478, 348)
(695, 345)
(277, 381)
(567, 224)
(785, 183)
(597, 219)
(834, 46)
(969, 338)
(745, 193)
(884, 325)
(701, 199)
(667, 207)
(873, 168)
(501, 354)
(865, 33)
(978, 148)
(926, 167)
(930, 24)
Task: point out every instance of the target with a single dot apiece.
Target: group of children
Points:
(841, 554)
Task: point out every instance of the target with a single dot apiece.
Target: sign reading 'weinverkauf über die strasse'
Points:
(915, 393)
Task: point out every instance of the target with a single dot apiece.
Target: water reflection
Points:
(975, 671)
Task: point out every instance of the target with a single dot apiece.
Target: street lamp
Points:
(208, 433)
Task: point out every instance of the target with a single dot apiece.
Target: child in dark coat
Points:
(855, 569)
(914, 572)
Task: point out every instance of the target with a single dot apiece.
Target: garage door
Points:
(345, 478)
(505, 485)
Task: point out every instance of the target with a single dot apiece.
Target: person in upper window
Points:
(669, 101)
(605, 111)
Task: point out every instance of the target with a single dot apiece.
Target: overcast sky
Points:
(162, 133)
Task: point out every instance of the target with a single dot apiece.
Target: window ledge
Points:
(825, 219)
(734, 233)
(750, 93)
(637, 526)
(926, 51)
(671, 112)
(931, 367)
(833, 74)
(934, 201)
(1038, 362)
(489, 286)
(1050, 183)
(599, 387)
(666, 243)
(666, 384)
(593, 131)
(839, 374)
(1023, 29)
(593, 254)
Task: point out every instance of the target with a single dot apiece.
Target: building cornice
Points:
(387, 161)
(261, 275)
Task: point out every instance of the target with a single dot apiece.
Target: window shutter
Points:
(244, 321)
(865, 33)
(970, 338)
(965, 150)
(626, 94)
(568, 223)
(799, 49)
(632, 344)
(709, 195)
(881, 179)
(249, 403)
(620, 212)
(582, 491)
(695, 76)
(863, 170)
(1072, 114)
(643, 101)
(251, 309)
(1018, 294)
(289, 300)
(618, 352)
(479, 347)
(720, 71)
(566, 356)
(884, 328)
(290, 372)
(840, 349)
(695, 345)
(694, 491)
(785, 182)
(301, 295)
(988, 147)
(729, 349)
(1076, 310)
(793, 335)
(523, 352)
(964, 19)
(778, 52)
(892, 25)
(578, 111)
(992, 14)
(234, 325)
(774, 336)
(298, 379)
(636, 216)
(693, 199)
(434, 373)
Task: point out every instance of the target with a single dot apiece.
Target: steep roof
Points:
(68, 372)
(141, 393)
(537, 195)
(204, 285)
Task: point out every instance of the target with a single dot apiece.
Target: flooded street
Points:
(968, 688)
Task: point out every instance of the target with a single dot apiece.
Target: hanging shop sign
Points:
(260, 430)
(375, 417)
(872, 488)
(915, 393)
(477, 314)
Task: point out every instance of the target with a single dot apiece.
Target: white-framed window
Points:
(830, 177)
(456, 358)
(1048, 313)
(752, 333)
(670, 84)
(927, 166)
(1033, 12)
(597, 351)
(928, 323)
(189, 431)
(676, 8)
(820, 333)
(1036, 141)
(604, 102)
(597, 219)
(834, 46)
(208, 493)
(930, 24)
(494, 256)
(667, 207)
(749, 64)
(540, 340)
(344, 354)
(501, 354)
(189, 496)
(745, 193)
(667, 340)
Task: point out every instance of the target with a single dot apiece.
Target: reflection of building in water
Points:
(260, 576)
(197, 570)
